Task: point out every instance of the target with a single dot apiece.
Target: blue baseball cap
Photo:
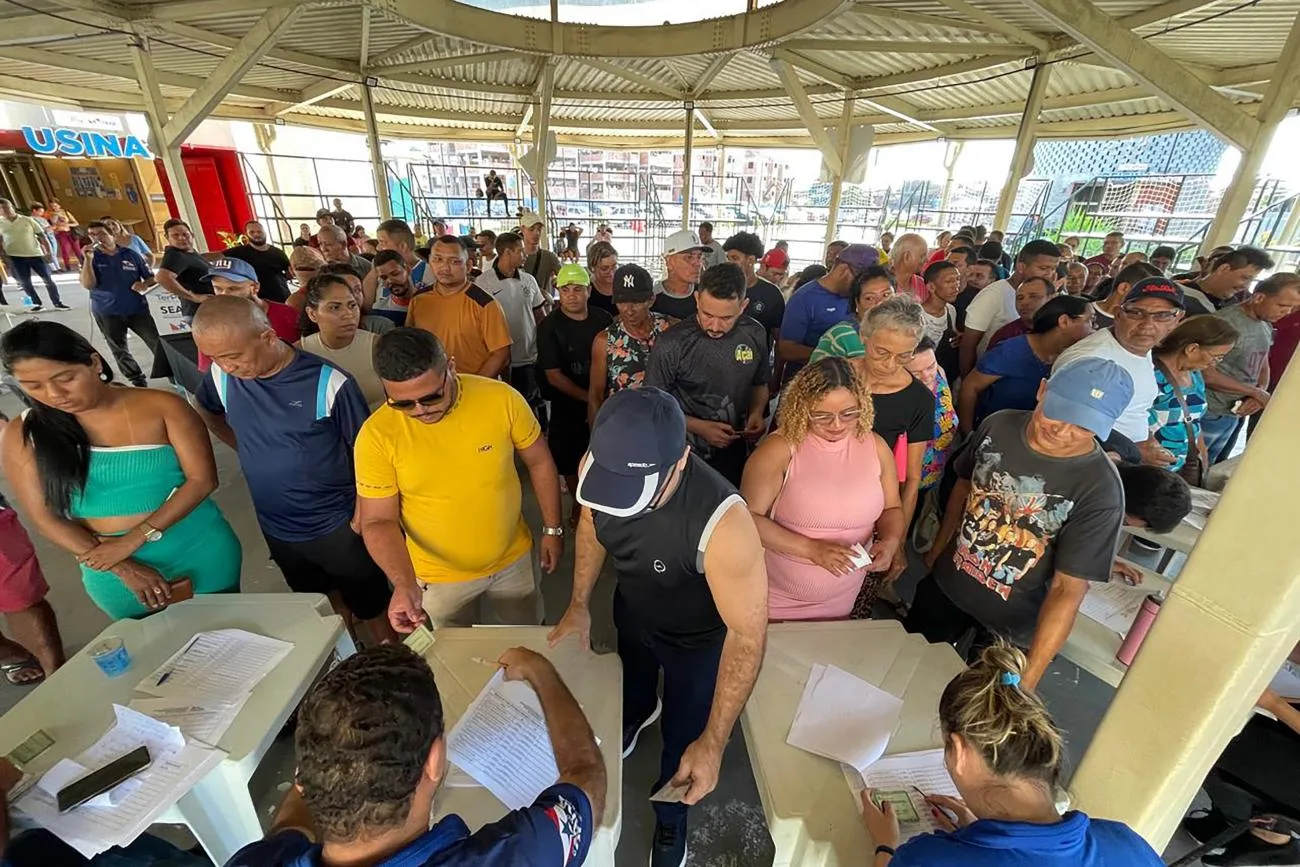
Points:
(231, 269)
(639, 434)
(1091, 393)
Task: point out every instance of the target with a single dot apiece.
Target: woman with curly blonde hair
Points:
(818, 487)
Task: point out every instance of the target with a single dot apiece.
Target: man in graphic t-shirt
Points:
(371, 747)
(715, 364)
(1034, 517)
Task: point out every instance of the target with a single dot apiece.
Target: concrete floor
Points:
(727, 830)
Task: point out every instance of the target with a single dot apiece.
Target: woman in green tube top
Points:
(121, 477)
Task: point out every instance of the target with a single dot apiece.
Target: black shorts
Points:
(338, 562)
(568, 437)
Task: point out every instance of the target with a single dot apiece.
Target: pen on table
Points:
(162, 678)
(481, 661)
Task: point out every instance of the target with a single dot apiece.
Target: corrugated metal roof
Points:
(876, 46)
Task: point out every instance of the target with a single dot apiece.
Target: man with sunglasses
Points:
(691, 598)
(1150, 310)
(439, 494)
(293, 419)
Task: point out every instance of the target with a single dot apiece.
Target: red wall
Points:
(220, 194)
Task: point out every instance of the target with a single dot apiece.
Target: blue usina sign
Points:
(83, 143)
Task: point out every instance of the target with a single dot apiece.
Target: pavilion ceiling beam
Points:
(628, 75)
(716, 65)
(39, 28)
(242, 57)
(66, 93)
(1010, 49)
(1163, 12)
(1151, 66)
(904, 16)
(412, 44)
(318, 92)
(935, 73)
(900, 109)
(455, 85)
(820, 70)
(807, 114)
(995, 22)
(363, 52)
(313, 62)
(179, 10)
(445, 62)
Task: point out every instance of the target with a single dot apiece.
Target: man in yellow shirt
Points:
(469, 322)
(440, 497)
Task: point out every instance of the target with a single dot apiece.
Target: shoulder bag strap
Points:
(1192, 447)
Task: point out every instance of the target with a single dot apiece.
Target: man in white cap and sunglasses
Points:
(683, 263)
(691, 598)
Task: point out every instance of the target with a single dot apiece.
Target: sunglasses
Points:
(430, 399)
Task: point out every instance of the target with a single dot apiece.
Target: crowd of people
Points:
(741, 451)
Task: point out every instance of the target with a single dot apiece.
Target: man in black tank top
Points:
(691, 598)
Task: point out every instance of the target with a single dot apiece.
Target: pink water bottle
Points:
(1141, 625)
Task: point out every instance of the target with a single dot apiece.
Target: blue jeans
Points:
(25, 267)
(690, 676)
(1220, 433)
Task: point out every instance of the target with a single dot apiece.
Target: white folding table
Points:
(596, 681)
(811, 814)
(74, 706)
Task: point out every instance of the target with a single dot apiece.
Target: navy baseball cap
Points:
(1156, 287)
(232, 269)
(632, 283)
(1091, 393)
(639, 434)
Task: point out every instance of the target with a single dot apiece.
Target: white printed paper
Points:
(1114, 605)
(900, 777)
(203, 723)
(843, 717)
(216, 667)
(502, 742)
(1286, 682)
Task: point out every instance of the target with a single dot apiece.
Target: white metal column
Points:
(541, 130)
(837, 182)
(376, 153)
(156, 112)
(1025, 137)
(688, 156)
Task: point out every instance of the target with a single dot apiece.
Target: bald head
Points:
(231, 313)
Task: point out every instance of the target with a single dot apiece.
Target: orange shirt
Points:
(471, 324)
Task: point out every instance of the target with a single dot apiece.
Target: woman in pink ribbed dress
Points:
(817, 486)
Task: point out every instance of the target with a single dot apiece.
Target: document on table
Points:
(203, 723)
(1113, 605)
(216, 667)
(1286, 682)
(896, 779)
(174, 768)
(843, 717)
(502, 742)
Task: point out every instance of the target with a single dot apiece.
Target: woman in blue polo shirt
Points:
(1004, 753)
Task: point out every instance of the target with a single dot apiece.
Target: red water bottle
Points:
(1141, 625)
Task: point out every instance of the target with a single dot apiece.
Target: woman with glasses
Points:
(331, 327)
(823, 491)
(1175, 417)
(1008, 375)
(874, 285)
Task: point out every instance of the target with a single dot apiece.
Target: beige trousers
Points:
(506, 598)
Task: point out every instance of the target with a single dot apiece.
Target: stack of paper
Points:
(843, 717)
(904, 780)
(1286, 682)
(502, 742)
(1113, 605)
(119, 816)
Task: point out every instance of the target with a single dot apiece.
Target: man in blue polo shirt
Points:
(817, 305)
(294, 419)
(117, 279)
(372, 752)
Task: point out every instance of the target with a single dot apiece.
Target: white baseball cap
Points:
(682, 242)
(529, 219)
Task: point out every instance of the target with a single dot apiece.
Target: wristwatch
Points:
(151, 533)
(552, 531)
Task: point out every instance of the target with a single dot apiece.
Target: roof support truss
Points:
(807, 113)
(1151, 66)
(628, 75)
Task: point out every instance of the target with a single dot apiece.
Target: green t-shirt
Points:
(22, 237)
(840, 341)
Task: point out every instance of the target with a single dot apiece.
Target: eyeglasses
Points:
(848, 416)
(881, 354)
(430, 399)
(1155, 316)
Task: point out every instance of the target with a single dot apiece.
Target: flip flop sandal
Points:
(11, 669)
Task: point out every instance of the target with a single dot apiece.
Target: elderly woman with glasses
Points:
(824, 494)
